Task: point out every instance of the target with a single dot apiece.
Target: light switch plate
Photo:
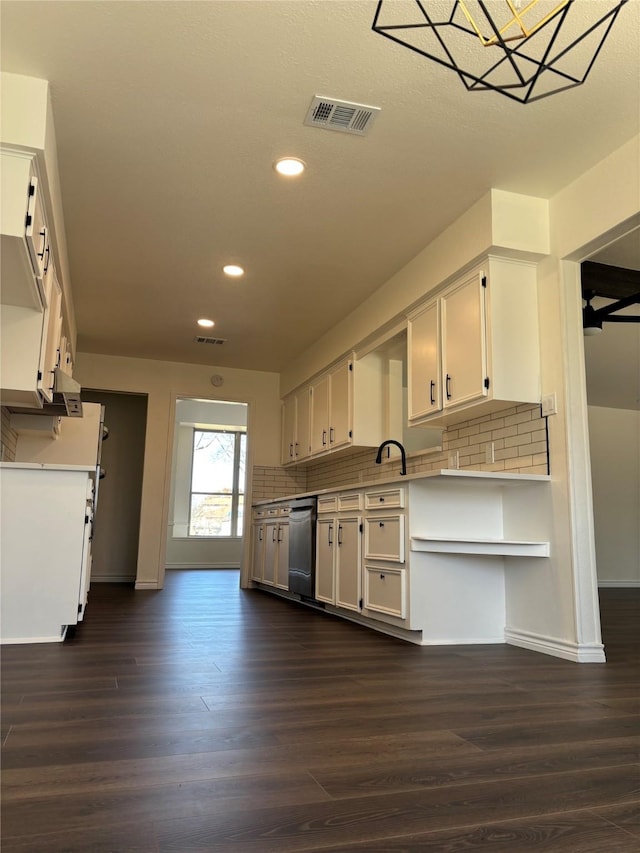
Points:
(489, 453)
(454, 459)
(549, 404)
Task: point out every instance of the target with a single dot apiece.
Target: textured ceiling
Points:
(169, 116)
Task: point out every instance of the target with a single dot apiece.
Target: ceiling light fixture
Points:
(233, 270)
(207, 324)
(289, 167)
(520, 49)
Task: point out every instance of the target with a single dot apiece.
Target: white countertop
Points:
(41, 466)
(442, 474)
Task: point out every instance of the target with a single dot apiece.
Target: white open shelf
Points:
(495, 547)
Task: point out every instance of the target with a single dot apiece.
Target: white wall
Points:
(163, 382)
(614, 437)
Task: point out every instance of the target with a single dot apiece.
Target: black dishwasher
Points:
(302, 546)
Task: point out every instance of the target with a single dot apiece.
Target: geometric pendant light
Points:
(523, 49)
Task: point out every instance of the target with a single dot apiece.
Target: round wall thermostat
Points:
(217, 380)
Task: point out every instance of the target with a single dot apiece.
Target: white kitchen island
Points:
(45, 554)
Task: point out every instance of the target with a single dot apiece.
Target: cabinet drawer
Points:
(259, 513)
(349, 502)
(327, 503)
(384, 538)
(385, 590)
(384, 499)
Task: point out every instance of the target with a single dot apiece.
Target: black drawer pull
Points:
(381, 577)
(381, 523)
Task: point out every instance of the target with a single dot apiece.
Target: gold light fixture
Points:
(521, 19)
(537, 47)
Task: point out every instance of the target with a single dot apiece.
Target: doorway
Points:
(117, 520)
(208, 485)
(612, 369)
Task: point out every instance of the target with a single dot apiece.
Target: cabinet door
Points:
(36, 231)
(340, 405)
(464, 350)
(424, 377)
(303, 424)
(288, 430)
(52, 328)
(325, 588)
(258, 551)
(348, 563)
(270, 549)
(282, 563)
(320, 415)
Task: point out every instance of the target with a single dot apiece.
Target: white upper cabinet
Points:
(31, 316)
(296, 427)
(476, 345)
(423, 342)
(347, 406)
(287, 452)
(24, 234)
(33, 248)
(338, 415)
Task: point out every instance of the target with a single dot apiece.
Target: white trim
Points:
(192, 565)
(578, 472)
(630, 584)
(566, 649)
(149, 584)
(17, 641)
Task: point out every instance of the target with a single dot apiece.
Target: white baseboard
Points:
(148, 585)
(576, 652)
(195, 566)
(618, 584)
(16, 641)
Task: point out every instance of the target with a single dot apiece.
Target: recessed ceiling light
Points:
(290, 167)
(233, 270)
(206, 323)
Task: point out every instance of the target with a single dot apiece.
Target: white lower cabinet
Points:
(258, 546)
(338, 561)
(339, 551)
(270, 546)
(385, 590)
(384, 572)
(431, 559)
(45, 577)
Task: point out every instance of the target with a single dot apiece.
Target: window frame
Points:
(238, 489)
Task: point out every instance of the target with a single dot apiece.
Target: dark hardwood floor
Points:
(205, 718)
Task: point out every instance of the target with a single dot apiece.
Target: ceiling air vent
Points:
(342, 116)
(200, 339)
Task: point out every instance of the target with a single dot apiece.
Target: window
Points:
(217, 483)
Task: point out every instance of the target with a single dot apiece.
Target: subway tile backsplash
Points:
(519, 439)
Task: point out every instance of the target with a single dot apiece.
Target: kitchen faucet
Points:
(403, 468)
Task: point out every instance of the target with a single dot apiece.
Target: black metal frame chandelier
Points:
(523, 49)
